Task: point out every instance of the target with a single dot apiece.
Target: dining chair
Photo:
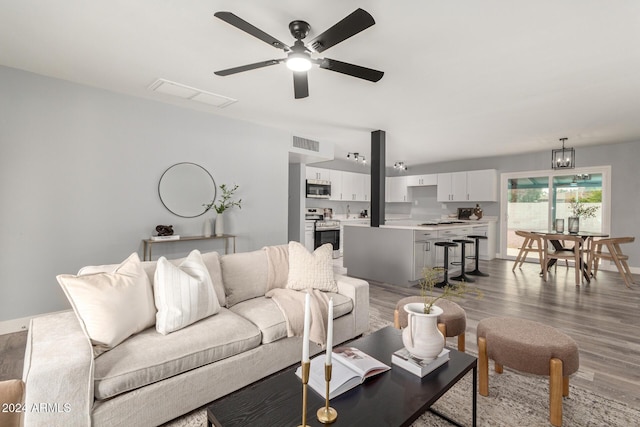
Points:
(551, 252)
(532, 243)
(612, 253)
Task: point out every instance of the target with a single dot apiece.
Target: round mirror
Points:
(185, 187)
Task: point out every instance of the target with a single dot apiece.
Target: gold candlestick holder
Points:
(305, 380)
(327, 415)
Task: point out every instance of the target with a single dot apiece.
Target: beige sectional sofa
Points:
(152, 378)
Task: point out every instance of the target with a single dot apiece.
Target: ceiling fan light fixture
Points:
(298, 62)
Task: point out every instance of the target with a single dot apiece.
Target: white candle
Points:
(307, 326)
(329, 332)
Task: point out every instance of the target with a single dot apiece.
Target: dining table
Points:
(587, 237)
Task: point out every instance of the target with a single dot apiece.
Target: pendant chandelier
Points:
(564, 158)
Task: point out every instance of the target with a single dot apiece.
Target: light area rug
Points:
(515, 399)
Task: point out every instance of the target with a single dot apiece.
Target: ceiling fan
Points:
(299, 58)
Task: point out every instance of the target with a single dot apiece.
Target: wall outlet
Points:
(444, 206)
(415, 202)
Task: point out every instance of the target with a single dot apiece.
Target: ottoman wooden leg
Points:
(396, 319)
(483, 367)
(461, 342)
(498, 367)
(443, 330)
(565, 386)
(556, 390)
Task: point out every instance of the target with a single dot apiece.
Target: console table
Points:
(148, 243)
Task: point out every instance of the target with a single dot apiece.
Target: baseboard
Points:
(19, 325)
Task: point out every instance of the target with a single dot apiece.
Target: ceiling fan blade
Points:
(350, 69)
(351, 25)
(243, 25)
(247, 67)
(300, 84)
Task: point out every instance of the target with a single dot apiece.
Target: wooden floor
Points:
(603, 317)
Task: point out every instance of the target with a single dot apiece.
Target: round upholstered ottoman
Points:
(452, 322)
(531, 347)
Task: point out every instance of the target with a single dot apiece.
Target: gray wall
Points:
(79, 170)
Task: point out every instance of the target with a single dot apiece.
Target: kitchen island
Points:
(398, 251)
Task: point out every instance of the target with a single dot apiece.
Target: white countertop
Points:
(415, 225)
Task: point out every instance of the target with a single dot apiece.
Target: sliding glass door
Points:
(534, 200)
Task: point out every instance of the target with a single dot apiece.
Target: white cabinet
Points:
(367, 188)
(452, 187)
(318, 173)
(422, 180)
(336, 185)
(353, 186)
(423, 251)
(350, 186)
(396, 191)
(309, 228)
(476, 186)
(482, 185)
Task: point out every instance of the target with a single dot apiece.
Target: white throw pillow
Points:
(311, 270)
(183, 294)
(111, 306)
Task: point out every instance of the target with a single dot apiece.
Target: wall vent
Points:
(306, 144)
(187, 92)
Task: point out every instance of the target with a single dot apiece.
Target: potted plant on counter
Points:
(225, 202)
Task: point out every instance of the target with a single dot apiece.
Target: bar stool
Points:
(462, 277)
(446, 246)
(476, 271)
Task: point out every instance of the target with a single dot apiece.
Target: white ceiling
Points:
(463, 79)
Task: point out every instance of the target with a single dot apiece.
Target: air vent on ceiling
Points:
(306, 144)
(187, 92)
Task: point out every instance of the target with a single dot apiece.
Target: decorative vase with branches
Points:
(225, 202)
(428, 282)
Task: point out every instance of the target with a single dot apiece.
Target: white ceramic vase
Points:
(421, 337)
(219, 228)
(206, 229)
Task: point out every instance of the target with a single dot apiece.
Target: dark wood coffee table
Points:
(393, 398)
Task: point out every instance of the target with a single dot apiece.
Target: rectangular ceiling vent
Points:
(183, 91)
(306, 144)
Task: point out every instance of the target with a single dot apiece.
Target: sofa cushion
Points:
(111, 306)
(244, 275)
(265, 314)
(342, 304)
(311, 270)
(210, 259)
(183, 294)
(149, 357)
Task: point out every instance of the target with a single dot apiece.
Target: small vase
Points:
(219, 229)
(574, 224)
(206, 229)
(421, 337)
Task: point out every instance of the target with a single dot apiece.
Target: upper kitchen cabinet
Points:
(422, 180)
(396, 189)
(354, 187)
(318, 173)
(452, 187)
(482, 185)
(474, 186)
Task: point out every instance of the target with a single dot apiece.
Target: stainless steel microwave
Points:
(318, 189)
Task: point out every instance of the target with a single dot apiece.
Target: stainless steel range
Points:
(326, 230)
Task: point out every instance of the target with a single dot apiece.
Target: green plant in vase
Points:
(579, 210)
(226, 201)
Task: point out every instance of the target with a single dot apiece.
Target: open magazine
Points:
(351, 367)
